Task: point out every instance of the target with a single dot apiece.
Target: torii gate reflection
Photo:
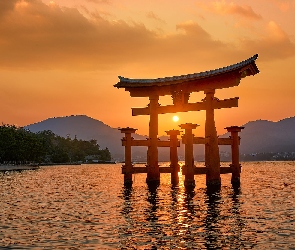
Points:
(180, 88)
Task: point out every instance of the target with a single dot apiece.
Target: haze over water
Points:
(87, 207)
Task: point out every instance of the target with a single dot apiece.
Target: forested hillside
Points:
(19, 145)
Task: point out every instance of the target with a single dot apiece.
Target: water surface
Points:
(87, 207)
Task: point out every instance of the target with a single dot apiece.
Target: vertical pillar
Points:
(189, 166)
(173, 155)
(212, 158)
(153, 172)
(235, 165)
(127, 167)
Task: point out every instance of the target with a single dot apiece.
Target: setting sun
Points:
(175, 118)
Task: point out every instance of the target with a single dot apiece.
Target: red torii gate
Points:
(179, 88)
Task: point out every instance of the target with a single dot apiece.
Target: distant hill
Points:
(264, 136)
(84, 128)
(257, 137)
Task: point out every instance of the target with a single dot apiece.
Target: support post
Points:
(189, 166)
(153, 172)
(235, 165)
(127, 167)
(212, 158)
(173, 156)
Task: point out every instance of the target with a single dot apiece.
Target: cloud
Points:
(6, 6)
(224, 8)
(34, 35)
(48, 36)
(99, 1)
(275, 44)
(283, 5)
(193, 29)
(152, 15)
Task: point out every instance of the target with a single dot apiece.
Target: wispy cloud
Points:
(283, 5)
(275, 44)
(230, 8)
(152, 15)
(99, 1)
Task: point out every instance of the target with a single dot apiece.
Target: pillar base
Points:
(153, 185)
(236, 182)
(174, 179)
(174, 182)
(128, 183)
(213, 185)
(189, 191)
(189, 183)
(153, 181)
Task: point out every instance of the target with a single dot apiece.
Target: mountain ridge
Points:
(85, 128)
(260, 136)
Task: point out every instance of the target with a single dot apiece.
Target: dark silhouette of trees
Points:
(18, 145)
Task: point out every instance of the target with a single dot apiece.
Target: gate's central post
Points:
(153, 172)
(173, 156)
(189, 167)
(212, 159)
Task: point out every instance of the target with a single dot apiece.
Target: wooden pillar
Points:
(127, 167)
(235, 165)
(173, 156)
(189, 166)
(212, 158)
(153, 172)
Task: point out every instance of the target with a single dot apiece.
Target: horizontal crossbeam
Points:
(217, 104)
(202, 140)
(147, 143)
(197, 170)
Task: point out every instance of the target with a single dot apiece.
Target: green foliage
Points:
(18, 145)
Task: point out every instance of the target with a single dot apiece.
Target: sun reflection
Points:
(180, 177)
(181, 203)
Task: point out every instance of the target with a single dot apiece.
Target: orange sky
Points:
(62, 57)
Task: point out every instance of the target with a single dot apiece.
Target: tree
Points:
(18, 145)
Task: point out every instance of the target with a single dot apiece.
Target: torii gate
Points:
(180, 87)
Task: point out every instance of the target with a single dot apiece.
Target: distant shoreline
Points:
(4, 168)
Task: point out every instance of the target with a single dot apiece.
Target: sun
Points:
(175, 118)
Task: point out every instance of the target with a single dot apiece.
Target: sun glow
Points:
(175, 118)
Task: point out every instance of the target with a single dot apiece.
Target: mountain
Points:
(85, 128)
(264, 136)
(259, 136)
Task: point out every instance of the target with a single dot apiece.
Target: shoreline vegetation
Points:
(19, 146)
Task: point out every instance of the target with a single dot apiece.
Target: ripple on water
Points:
(87, 207)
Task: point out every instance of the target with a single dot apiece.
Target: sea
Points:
(88, 207)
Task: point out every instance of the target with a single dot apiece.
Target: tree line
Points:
(19, 145)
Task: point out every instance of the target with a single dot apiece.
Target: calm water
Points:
(87, 207)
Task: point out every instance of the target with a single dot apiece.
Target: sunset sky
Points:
(62, 57)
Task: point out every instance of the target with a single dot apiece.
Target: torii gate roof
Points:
(224, 77)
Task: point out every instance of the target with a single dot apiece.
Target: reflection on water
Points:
(88, 207)
(189, 222)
